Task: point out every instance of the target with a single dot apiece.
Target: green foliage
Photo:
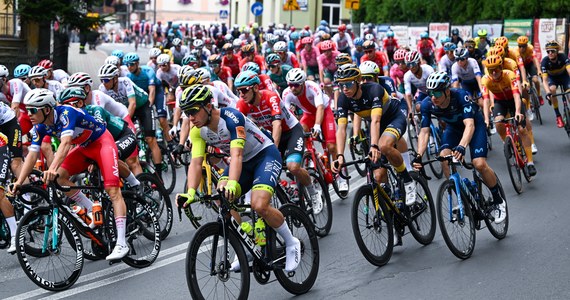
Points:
(456, 12)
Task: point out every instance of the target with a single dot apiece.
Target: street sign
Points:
(257, 9)
(352, 4)
(291, 5)
(224, 14)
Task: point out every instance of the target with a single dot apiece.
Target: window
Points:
(331, 12)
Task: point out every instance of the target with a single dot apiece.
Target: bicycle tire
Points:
(435, 166)
(41, 276)
(168, 172)
(5, 235)
(323, 218)
(381, 227)
(156, 195)
(447, 189)
(535, 104)
(524, 158)
(355, 155)
(412, 136)
(512, 164)
(499, 231)
(567, 119)
(207, 242)
(303, 278)
(204, 211)
(427, 217)
(142, 232)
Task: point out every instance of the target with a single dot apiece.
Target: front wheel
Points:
(512, 164)
(359, 151)
(432, 151)
(457, 230)
(372, 227)
(208, 262)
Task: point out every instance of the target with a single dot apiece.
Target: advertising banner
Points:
(561, 34)
(544, 31)
(414, 35)
(401, 34)
(493, 30)
(465, 31)
(515, 28)
(437, 31)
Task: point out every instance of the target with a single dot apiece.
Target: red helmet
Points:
(326, 45)
(307, 27)
(307, 40)
(399, 54)
(207, 41)
(342, 27)
(292, 28)
(46, 63)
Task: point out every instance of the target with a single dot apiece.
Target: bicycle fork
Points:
(50, 222)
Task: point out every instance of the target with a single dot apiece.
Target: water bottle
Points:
(247, 228)
(97, 213)
(475, 189)
(469, 185)
(82, 213)
(260, 232)
(293, 191)
(159, 135)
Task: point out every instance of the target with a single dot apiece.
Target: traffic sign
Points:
(291, 5)
(352, 4)
(257, 8)
(224, 14)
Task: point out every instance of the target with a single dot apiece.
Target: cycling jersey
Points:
(291, 60)
(114, 124)
(420, 83)
(123, 71)
(55, 87)
(445, 64)
(170, 77)
(17, 90)
(269, 109)
(549, 68)
(426, 48)
(224, 74)
(233, 64)
(309, 99)
(469, 72)
(390, 44)
(225, 89)
(220, 99)
(6, 113)
(126, 89)
(397, 74)
(101, 99)
(265, 83)
(60, 75)
(374, 101)
(145, 78)
(179, 55)
(327, 63)
(502, 89)
(280, 79)
(152, 65)
(344, 43)
(258, 59)
(379, 58)
(527, 55)
(515, 55)
(309, 58)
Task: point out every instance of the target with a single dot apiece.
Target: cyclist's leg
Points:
(329, 131)
(161, 113)
(5, 205)
(292, 145)
(146, 120)
(133, 159)
(500, 111)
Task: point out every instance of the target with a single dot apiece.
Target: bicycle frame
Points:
(514, 134)
(321, 167)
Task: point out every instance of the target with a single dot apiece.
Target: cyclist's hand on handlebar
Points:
(13, 188)
(49, 175)
(173, 132)
(459, 152)
(232, 190)
(525, 85)
(316, 130)
(374, 153)
(337, 163)
(178, 149)
(519, 117)
(549, 97)
(417, 162)
(183, 200)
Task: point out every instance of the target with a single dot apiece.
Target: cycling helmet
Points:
(189, 78)
(79, 79)
(251, 66)
(552, 45)
(343, 58)
(455, 31)
(227, 47)
(369, 68)
(400, 54)
(154, 52)
(358, 42)
(522, 40)
(163, 59)
(274, 39)
(294, 36)
(305, 33)
(247, 49)
(118, 53)
(108, 71)
(449, 46)
(182, 70)
(445, 40)
(412, 57)
(390, 33)
(461, 53)
(175, 26)
(39, 98)
(497, 50)
(280, 47)
(424, 35)
(237, 43)
(189, 60)
(269, 37)
(246, 78)
(112, 60)
(307, 41)
(280, 32)
(470, 41)
(176, 42)
(215, 59)
(4, 71)
(493, 61)
(131, 57)
(369, 37)
(348, 72)
(21, 71)
(296, 76)
(46, 63)
(35, 71)
(228, 37)
(502, 41)
(342, 28)
(369, 45)
(71, 94)
(326, 45)
(482, 33)
(325, 37)
(198, 43)
(324, 23)
(437, 81)
(272, 59)
(204, 73)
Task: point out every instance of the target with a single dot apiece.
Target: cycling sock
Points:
(285, 233)
(120, 224)
(557, 111)
(132, 180)
(311, 189)
(496, 194)
(12, 225)
(80, 199)
(404, 172)
(406, 158)
(528, 151)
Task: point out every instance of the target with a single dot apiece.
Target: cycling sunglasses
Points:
(244, 90)
(551, 51)
(33, 110)
(436, 94)
(346, 85)
(131, 64)
(461, 58)
(411, 65)
(294, 85)
(192, 111)
(105, 80)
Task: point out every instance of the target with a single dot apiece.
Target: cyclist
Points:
(555, 71)
(178, 51)
(379, 57)
(38, 77)
(357, 51)
(455, 38)
(342, 40)
(448, 59)
(265, 81)
(114, 60)
(482, 42)
(153, 53)
(502, 88)
(514, 55)
(416, 76)
(75, 127)
(287, 58)
(327, 66)
(474, 52)
(531, 63)
(465, 72)
(248, 55)
(309, 56)
(270, 113)
(399, 68)
(21, 72)
(5, 205)
(390, 45)
(10, 128)
(230, 59)
(387, 122)
(465, 127)
(255, 162)
(168, 74)
(220, 72)
(219, 92)
(277, 71)
(57, 75)
(426, 47)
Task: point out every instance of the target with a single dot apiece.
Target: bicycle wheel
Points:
(535, 104)
(423, 224)
(432, 151)
(142, 232)
(412, 136)
(319, 210)
(359, 151)
(373, 228)
(303, 278)
(524, 158)
(567, 119)
(5, 235)
(168, 171)
(157, 197)
(458, 232)
(204, 211)
(207, 265)
(499, 231)
(52, 269)
(512, 164)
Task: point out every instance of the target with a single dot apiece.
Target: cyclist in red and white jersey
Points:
(379, 57)
(265, 82)
(58, 75)
(287, 58)
(416, 76)
(399, 68)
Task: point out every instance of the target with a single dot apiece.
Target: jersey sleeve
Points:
(514, 83)
(408, 83)
(474, 66)
(485, 85)
(17, 91)
(342, 110)
(198, 143)
(380, 97)
(274, 104)
(235, 122)
(454, 72)
(130, 90)
(38, 132)
(425, 110)
(317, 94)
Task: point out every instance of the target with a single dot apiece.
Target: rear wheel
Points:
(319, 210)
(168, 171)
(432, 151)
(499, 231)
(423, 224)
(158, 198)
(535, 104)
(512, 164)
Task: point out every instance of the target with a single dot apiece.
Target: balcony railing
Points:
(9, 25)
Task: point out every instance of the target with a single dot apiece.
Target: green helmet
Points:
(197, 94)
(187, 60)
(71, 94)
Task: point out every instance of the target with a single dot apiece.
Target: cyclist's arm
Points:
(151, 94)
(320, 114)
(27, 166)
(423, 136)
(341, 135)
(132, 105)
(467, 132)
(16, 108)
(198, 152)
(276, 133)
(356, 124)
(375, 126)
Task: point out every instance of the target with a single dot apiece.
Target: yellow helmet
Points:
(493, 61)
(522, 40)
(502, 41)
(497, 50)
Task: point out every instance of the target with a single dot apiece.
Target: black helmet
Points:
(348, 72)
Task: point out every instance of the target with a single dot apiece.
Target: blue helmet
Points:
(449, 46)
(445, 40)
(305, 33)
(246, 78)
(358, 41)
(324, 23)
(424, 35)
(131, 57)
(390, 33)
(251, 66)
(22, 71)
(294, 35)
(118, 53)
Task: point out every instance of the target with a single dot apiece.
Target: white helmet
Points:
(79, 79)
(280, 46)
(37, 71)
(163, 59)
(296, 76)
(198, 43)
(369, 68)
(39, 98)
(204, 73)
(369, 37)
(237, 42)
(176, 42)
(4, 71)
(108, 71)
(112, 60)
(154, 52)
(183, 70)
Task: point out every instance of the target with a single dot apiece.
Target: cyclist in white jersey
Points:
(58, 75)
(178, 50)
(113, 60)
(15, 90)
(38, 77)
(448, 59)
(465, 73)
(168, 73)
(153, 53)
(416, 76)
(226, 98)
(342, 40)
